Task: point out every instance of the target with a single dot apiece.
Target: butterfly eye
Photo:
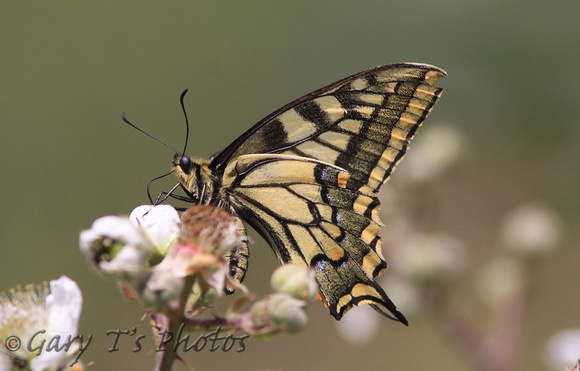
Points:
(185, 164)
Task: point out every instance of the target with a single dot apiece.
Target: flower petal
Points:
(161, 223)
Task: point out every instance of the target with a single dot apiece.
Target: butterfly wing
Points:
(362, 123)
(306, 175)
(306, 212)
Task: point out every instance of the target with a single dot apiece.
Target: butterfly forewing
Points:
(362, 123)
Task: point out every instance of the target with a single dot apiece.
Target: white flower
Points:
(531, 229)
(429, 258)
(25, 313)
(125, 247)
(194, 245)
(360, 325)
(563, 349)
(160, 223)
(115, 246)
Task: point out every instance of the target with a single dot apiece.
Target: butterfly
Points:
(306, 177)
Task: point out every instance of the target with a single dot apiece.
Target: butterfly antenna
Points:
(186, 121)
(149, 135)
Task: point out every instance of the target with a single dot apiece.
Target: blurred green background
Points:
(68, 70)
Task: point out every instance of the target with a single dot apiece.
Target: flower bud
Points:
(260, 314)
(299, 282)
(157, 288)
(288, 311)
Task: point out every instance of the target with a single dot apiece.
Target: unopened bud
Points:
(260, 314)
(159, 287)
(299, 282)
(289, 311)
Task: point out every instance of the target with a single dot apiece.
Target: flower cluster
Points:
(176, 268)
(125, 247)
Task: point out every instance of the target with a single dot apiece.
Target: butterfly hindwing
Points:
(305, 210)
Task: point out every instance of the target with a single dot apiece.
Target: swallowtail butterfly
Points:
(306, 177)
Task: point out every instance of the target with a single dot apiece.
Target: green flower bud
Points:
(288, 311)
(159, 287)
(298, 282)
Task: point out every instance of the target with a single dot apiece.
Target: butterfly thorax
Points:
(197, 179)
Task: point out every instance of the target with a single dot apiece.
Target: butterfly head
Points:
(184, 163)
(194, 175)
